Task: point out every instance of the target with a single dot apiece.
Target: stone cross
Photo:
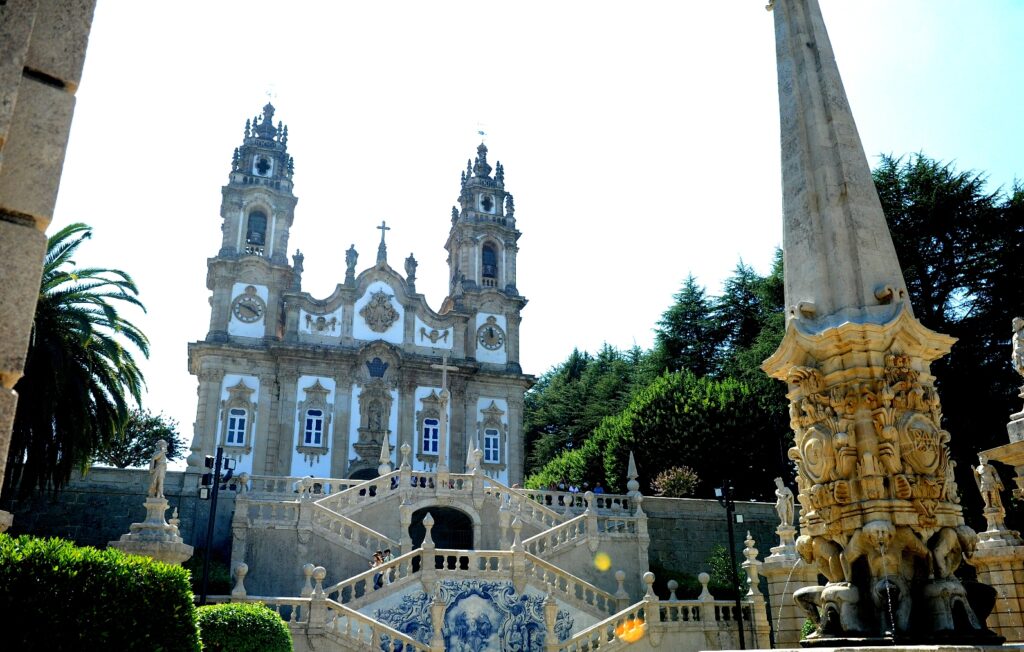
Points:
(442, 448)
(382, 249)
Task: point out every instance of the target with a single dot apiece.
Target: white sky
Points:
(640, 140)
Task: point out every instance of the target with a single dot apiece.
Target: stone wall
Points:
(98, 507)
(684, 531)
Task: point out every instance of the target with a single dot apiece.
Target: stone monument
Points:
(880, 517)
(155, 537)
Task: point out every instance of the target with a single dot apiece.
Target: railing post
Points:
(707, 605)
(504, 519)
(238, 592)
(478, 479)
(405, 514)
(318, 600)
(518, 557)
(427, 571)
(550, 617)
(761, 626)
(621, 597)
(652, 611)
(437, 620)
(590, 523)
(307, 588)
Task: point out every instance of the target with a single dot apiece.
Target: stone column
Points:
(281, 426)
(514, 320)
(470, 439)
(43, 47)
(341, 424)
(263, 456)
(515, 450)
(406, 415)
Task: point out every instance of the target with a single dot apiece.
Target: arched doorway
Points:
(364, 474)
(453, 529)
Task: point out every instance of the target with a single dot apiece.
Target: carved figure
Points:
(1018, 345)
(410, 268)
(784, 503)
(989, 483)
(157, 470)
(825, 554)
(950, 547)
(351, 256)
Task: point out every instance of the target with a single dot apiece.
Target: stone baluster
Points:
(621, 596)
(518, 556)
(590, 516)
(405, 514)
(437, 607)
(673, 586)
(550, 618)
(307, 572)
(504, 520)
(318, 600)
(238, 592)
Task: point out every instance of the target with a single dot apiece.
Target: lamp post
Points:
(208, 492)
(724, 495)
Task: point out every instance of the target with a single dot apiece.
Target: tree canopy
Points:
(79, 377)
(136, 440)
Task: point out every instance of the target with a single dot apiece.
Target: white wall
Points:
(423, 330)
(319, 468)
(498, 356)
(243, 462)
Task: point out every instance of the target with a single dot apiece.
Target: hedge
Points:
(243, 627)
(58, 596)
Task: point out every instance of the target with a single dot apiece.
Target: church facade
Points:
(293, 385)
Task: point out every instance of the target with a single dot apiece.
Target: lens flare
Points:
(631, 631)
(602, 561)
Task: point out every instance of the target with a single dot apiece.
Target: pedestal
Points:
(6, 518)
(154, 537)
(1002, 568)
(786, 573)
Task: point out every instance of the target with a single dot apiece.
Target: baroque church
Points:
(293, 385)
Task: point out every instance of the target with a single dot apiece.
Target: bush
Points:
(63, 597)
(243, 627)
(677, 482)
(722, 586)
(218, 582)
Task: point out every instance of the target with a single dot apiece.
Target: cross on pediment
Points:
(444, 367)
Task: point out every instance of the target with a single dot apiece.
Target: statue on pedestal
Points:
(989, 484)
(783, 503)
(158, 470)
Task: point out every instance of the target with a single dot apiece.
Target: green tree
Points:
(136, 441)
(73, 397)
(688, 337)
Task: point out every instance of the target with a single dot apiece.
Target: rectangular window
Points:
(430, 431)
(314, 432)
(492, 454)
(236, 427)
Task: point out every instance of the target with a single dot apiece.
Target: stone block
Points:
(34, 152)
(16, 19)
(8, 404)
(21, 258)
(59, 39)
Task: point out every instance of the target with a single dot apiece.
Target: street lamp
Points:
(208, 491)
(724, 496)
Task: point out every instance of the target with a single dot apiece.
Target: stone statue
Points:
(989, 483)
(1018, 345)
(157, 470)
(783, 503)
(410, 268)
(350, 262)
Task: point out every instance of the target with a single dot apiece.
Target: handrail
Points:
(572, 502)
(604, 634)
(348, 530)
(375, 629)
(364, 493)
(399, 568)
(262, 485)
(575, 588)
(571, 531)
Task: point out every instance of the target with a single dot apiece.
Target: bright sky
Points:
(640, 140)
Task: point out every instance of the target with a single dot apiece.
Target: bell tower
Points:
(482, 248)
(251, 270)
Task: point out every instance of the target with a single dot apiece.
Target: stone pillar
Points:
(341, 424)
(515, 450)
(281, 424)
(263, 456)
(762, 630)
(207, 414)
(41, 63)
(786, 573)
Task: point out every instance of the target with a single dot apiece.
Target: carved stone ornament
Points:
(379, 314)
(431, 409)
(434, 335)
(492, 420)
(320, 323)
(375, 403)
(239, 397)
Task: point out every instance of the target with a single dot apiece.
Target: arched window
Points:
(235, 435)
(314, 431)
(489, 258)
(430, 436)
(492, 450)
(256, 233)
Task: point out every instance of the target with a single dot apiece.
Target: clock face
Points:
(248, 307)
(490, 335)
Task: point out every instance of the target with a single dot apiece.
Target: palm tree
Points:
(73, 396)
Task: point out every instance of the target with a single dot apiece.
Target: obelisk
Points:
(880, 515)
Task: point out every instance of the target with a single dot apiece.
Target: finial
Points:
(382, 249)
(632, 486)
(482, 168)
(510, 206)
(351, 256)
(405, 449)
(234, 159)
(385, 458)
(248, 124)
(410, 269)
(499, 173)
(455, 214)
(291, 167)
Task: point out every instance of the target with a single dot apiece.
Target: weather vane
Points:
(481, 130)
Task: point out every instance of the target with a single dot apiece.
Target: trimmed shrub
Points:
(63, 597)
(218, 582)
(243, 627)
